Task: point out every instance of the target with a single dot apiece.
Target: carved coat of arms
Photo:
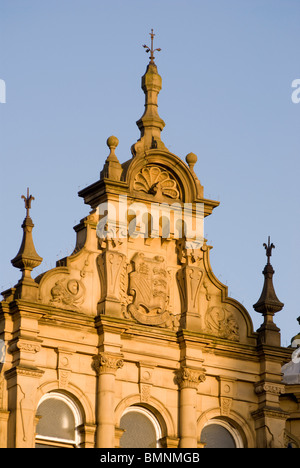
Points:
(148, 284)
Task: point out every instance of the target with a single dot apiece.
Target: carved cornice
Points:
(268, 412)
(24, 372)
(190, 378)
(269, 387)
(27, 345)
(107, 363)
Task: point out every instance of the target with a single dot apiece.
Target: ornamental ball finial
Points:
(112, 142)
(191, 159)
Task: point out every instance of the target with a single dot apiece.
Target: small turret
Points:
(150, 124)
(268, 303)
(27, 258)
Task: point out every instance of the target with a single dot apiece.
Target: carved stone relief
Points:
(107, 363)
(155, 181)
(67, 293)
(221, 322)
(149, 288)
(190, 378)
(225, 406)
(110, 265)
(189, 281)
(63, 368)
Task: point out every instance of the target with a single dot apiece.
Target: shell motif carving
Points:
(154, 180)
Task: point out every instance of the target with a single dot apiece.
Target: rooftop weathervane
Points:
(28, 201)
(269, 248)
(150, 49)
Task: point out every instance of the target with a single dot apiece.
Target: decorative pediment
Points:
(72, 286)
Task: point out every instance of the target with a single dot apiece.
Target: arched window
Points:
(141, 428)
(218, 433)
(58, 418)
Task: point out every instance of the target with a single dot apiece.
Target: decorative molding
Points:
(63, 367)
(24, 372)
(146, 380)
(107, 363)
(27, 345)
(225, 406)
(145, 390)
(189, 280)
(155, 181)
(269, 413)
(190, 378)
(269, 387)
(110, 264)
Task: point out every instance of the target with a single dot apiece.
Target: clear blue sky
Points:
(72, 69)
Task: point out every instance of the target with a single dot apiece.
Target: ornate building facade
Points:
(131, 341)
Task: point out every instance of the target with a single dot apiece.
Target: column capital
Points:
(274, 388)
(188, 377)
(107, 363)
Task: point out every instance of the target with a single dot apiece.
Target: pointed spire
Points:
(268, 303)
(150, 124)
(27, 257)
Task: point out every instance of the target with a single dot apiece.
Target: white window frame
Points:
(150, 416)
(40, 439)
(232, 430)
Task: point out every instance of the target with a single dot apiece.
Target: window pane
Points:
(217, 436)
(57, 420)
(140, 431)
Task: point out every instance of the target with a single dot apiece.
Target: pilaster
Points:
(188, 380)
(106, 366)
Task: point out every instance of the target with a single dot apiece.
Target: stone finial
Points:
(268, 303)
(112, 168)
(150, 124)
(112, 142)
(27, 258)
(191, 160)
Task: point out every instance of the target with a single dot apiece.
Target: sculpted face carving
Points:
(155, 181)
